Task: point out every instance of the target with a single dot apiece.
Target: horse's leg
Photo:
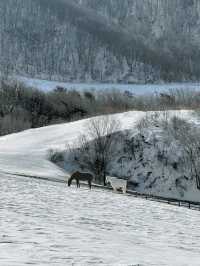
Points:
(89, 184)
(69, 182)
(114, 189)
(77, 183)
(124, 189)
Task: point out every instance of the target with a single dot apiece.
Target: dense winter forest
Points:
(101, 40)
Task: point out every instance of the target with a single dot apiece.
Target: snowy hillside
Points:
(27, 153)
(43, 223)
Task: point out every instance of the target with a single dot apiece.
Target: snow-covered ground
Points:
(26, 152)
(43, 223)
(138, 89)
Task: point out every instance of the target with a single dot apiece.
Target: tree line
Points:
(23, 108)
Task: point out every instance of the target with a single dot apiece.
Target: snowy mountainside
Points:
(107, 41)
(27, 153)
(52, 49)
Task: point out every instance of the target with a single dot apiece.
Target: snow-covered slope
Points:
(49, 224)
(27, 153)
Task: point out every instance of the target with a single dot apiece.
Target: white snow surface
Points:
(138, 89)
(43, 223)
(26, 152)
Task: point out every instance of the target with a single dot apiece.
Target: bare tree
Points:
(97, 145)
(188, 136)
(191, 145)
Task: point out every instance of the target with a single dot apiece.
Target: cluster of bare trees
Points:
(97, 146)
(188, 135)
(22, 108)
(184, 135)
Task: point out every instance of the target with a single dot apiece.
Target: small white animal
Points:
(117, 183)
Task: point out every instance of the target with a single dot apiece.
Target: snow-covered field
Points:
(138, 89)
(44, 223)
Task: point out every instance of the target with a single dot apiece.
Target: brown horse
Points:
(81, 176)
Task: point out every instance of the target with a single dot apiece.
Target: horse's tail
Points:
(90, 183)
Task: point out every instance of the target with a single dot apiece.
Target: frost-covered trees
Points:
(180, 146)
(34, 42)
(98, 146)
(130, 40)
(188, 136)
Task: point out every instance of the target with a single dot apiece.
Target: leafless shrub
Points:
(153, 119)
(55, 156)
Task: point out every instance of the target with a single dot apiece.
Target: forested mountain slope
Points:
(129, 40)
